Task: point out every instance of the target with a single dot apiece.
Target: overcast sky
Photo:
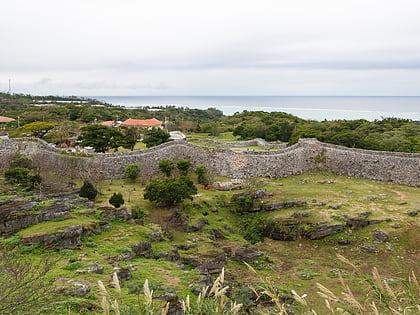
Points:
(229, 47)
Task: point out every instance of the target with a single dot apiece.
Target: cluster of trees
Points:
(387, 134)
(20, 173)
(103, 138)
(173, 190)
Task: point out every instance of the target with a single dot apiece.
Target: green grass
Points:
(225, 136)
(56, 225)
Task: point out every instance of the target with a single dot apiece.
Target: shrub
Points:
(18, 175)
(132, 171)
(201, 172)
(183, 166)
(88, 190)
(21, 161)
(166, 167)
(170, 191)
(243, 204)
(116, 200)
(137, 212)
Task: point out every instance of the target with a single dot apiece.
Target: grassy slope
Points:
(288, 263)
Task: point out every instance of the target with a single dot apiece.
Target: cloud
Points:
(186, 46)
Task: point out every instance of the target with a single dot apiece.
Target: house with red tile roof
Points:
(142, 123)
(109, 123)
(4, 119)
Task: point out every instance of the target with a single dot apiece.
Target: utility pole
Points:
(10, 89)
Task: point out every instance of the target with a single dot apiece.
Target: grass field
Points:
(295, 265)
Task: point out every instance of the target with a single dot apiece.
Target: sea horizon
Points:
(306, 107)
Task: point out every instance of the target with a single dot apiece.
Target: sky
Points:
(210, 48)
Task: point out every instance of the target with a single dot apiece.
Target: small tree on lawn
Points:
(116, 200)
(170, 191)
(166, 167)
(132, 171)
(201, 172)
(183, 166)
(88, 190)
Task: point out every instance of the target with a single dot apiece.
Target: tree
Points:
(155, 136)
(101, 138)
(23, 282)
(35, 129)
(19, 172)
(170, 191)
(130, 137)
(63, 133)
(201, 172)
(183, 166)
(166, 166)
(132, 171)
(88, 190)
(116, 200)
(18, 175)
(21, 161)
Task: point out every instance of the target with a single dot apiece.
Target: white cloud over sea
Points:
(230, 47)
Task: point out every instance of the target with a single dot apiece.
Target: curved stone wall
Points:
(307, 154)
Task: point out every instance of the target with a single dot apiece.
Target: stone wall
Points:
(239, 144)
(307, 154)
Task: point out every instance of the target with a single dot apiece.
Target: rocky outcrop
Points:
(196, 227)
(16, 214)
(69, 238)
(74, 287)
(362, 220)
(247, 253)
(207, 262)
(291, 230)
(278, 205)
(110, 214)
(255, 194)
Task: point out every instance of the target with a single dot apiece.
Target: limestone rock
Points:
(207, 262)
(247, 253)
(381, 236)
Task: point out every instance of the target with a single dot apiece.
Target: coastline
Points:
(306, 107)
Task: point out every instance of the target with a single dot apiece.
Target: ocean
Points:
(306, 107)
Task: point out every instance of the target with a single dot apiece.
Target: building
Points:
(142, 123)
(111, 123)
(4, 120)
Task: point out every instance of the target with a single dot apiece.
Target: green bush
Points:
(183, 166)
(166, 166)
(88, 190)
(170, 191)
(137, 212)
(132, 171)
(21, 161)
(116, 200)
(201, 172)
(73, 265)
(243, 204)
(18, 175)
